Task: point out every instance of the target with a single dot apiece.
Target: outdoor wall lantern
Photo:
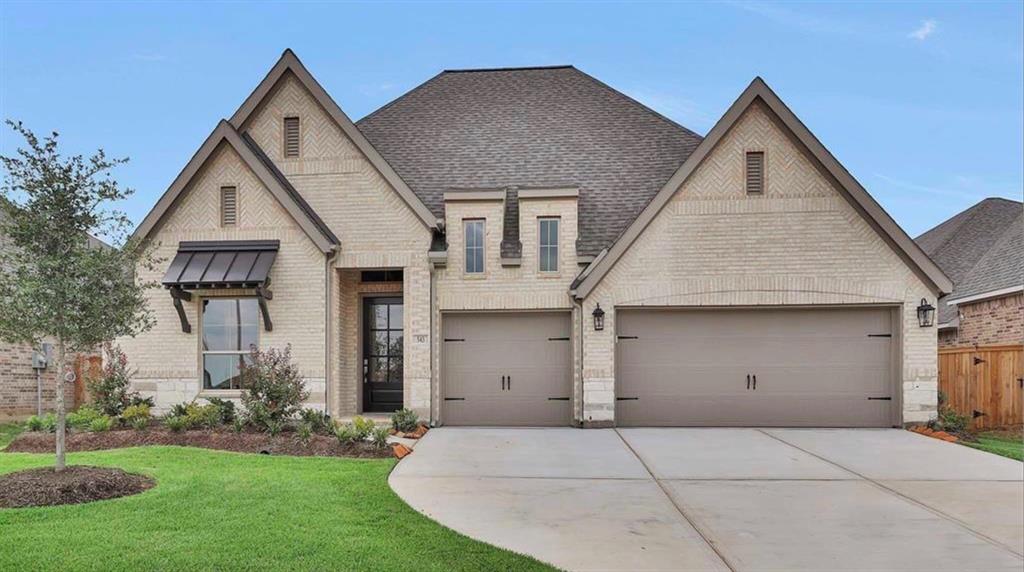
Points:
(598, 318)
(925, 314)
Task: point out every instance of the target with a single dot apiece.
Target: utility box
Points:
(42, 355)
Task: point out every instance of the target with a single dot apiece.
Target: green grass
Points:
(1002, 443)
(8, 431)
(214, 510)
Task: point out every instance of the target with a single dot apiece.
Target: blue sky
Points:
(922, 102)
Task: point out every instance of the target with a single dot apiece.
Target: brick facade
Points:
(800, 243)
(18, 387)
(994, 322)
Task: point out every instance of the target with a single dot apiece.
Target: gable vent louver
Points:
(228, 206)
(291, 137)
(755, 172)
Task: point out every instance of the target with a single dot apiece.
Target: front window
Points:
(474, 246)
(548, 244)
(230, 329)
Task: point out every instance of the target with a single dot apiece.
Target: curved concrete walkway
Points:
(722, 499)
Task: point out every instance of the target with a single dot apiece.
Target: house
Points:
(28, 386)
(981, 322)
(528, 246)
(982, 251)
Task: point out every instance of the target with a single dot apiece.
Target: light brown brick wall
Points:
(801, 243)
(18, 387)
(375, 226)
(507, 288)
(998, 321)
(167, 359)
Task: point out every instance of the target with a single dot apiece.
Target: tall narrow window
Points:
(474, 246)
(291, 137)
(228, 206)
(755, 172)
(548, 244)
(231, 328)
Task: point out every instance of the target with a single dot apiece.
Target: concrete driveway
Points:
(721, 499)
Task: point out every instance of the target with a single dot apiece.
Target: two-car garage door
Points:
(815, 367)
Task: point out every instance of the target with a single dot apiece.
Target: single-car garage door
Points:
(507, 369)
(774, 367)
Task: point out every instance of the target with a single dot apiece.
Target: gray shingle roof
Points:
(532, 127)
(981, 249)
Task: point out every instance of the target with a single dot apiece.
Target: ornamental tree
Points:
(58, 283)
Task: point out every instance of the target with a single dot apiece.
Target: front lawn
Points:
(1006, 443)
(8, 431)
(215, 510)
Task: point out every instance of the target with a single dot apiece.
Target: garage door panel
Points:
(507, 369)
(814, 367)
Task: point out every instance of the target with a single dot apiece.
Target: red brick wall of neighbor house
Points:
(995, 322)
(18, 384)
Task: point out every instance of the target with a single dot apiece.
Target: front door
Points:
(382, 354)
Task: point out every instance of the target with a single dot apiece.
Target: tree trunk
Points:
(61, 414)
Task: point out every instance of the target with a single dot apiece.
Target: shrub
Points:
(238, 424)
(179, 410)
(50, 423)
(208, 416)
(363, 427)
(134, 414)
(379, 437)
(34, 423)
(273, 390)
(225, 407)
(176, 423)
(274, 427)
(101, 423)
(346, 434)
(137, 399)
(110, 390)
(953, 422)
(318, 421)
(404, 420)
(140, 423)
(304, 433)
(83, 417)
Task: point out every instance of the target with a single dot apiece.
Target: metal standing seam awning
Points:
(219, 264)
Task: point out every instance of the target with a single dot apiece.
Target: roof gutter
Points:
(985, 295)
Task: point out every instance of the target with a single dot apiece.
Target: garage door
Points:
(793, 367)
(507, 369)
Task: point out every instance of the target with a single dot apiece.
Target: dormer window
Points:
(474, 233)
(291, 137)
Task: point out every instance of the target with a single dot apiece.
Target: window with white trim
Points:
(474, 233)
(231, 328)
(548, 255)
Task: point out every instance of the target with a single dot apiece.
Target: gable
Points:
(795, 180)
(289, 68)
(260, 167)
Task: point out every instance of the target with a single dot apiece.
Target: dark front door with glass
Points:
(382, 354)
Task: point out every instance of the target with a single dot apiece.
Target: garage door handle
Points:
(558, 399)
(748, 381)
(503, 383)
(755, 382)
(510, 383)
(627, 399)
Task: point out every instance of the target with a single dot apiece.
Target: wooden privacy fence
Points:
(984, 383)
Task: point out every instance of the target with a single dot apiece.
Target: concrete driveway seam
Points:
(896, 493)
(678, 508)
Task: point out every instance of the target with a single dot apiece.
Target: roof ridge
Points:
(636, 103)
(971, 213)
(511, 68)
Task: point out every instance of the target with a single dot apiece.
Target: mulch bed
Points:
(223, 440)
(74, 485)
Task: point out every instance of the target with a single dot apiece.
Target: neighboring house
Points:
(982, 251)
(24, 390)
(528, 246)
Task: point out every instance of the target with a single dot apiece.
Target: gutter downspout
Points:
(579, 303)
(328, 325)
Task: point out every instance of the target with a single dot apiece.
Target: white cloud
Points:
(926, 29)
